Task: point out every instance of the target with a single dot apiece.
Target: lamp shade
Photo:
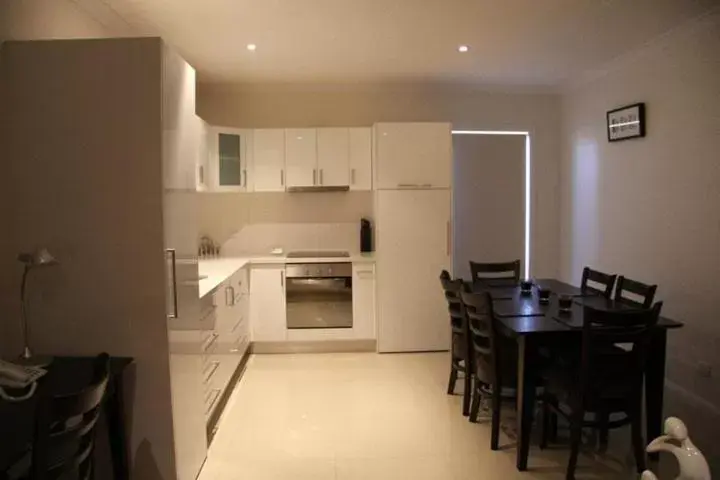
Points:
(39, 258)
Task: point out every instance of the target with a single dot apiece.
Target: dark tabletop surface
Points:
(65, 375)
(522, 314)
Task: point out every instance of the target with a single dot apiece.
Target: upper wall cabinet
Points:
(333, 155)
(268, 160)
(360, 158)
(228, 159)
(412, 155)
(301, 157)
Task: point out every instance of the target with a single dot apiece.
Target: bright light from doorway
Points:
(527, 181)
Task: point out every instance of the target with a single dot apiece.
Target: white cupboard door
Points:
(301, 157)
(412, 155)
(268, 160)
(413, 247)
(267, 303)
(363, 300)
(189, 426)
(333, 154)
(360, 158)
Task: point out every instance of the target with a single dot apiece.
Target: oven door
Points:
(319, 302)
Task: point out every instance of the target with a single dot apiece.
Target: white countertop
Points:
(217, 270)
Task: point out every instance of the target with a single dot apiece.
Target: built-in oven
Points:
(319, 295)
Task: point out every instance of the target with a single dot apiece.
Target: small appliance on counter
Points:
(366, 236)
(208, 248)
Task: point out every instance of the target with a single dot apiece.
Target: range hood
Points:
(319, 188)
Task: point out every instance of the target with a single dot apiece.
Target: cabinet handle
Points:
(352, 176)
(216, 393)
(314, 176)
(407, 185)
(210, 342)
(244, 173)
(282, 279)
(321, 176)
(448, 237)
(173, 269)
(426, 185)
(212, 370)
(237, 325)
(229, 303)
(282, 177)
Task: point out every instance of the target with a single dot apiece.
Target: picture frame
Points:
(626, 122)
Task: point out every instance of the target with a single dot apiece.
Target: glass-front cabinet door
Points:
(228, 159)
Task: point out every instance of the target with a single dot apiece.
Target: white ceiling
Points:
(518, 42)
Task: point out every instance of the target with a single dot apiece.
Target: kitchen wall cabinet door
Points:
(333, 156)
(268, 160)
(360, 160)
(364, 300)
(301, 157)
(267, 303)
(228, 154)
(412, 156)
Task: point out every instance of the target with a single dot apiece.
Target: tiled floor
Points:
(367, 417)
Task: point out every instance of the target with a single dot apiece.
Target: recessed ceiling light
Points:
(252, 47)
(463, 48)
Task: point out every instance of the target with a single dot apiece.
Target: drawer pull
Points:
(212, 369)
(237, 325)
(210, 342)
(214, 394)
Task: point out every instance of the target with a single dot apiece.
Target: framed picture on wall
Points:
(626, 122)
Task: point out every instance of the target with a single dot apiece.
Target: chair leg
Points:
(637, 437)
(467, 393)
(545, 424)
(576, 422)
(453, 379)
(495, 427)
(604, 432)
(476, 400)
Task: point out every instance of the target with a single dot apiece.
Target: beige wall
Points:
(81, 162)
(650, 208)
(466, 108)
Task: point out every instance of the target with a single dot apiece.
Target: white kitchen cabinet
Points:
(268, 160)
(412, 156)
(267, 303)
(188, 419)
(413, 247)
(301, 157)
(363, 300)
(228, 159)
(333, 157)
(360, 151)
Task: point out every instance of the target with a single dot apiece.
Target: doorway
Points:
(491, 198)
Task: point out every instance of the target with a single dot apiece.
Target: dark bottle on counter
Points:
(366, 236)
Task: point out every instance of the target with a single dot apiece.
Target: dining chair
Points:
(495, 360)
(460, 354)
(495, 272)
(625, 286)
(64, 436)
(604, 281)
(605, 379)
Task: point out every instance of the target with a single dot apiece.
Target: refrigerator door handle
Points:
(448, 238)
(173, 268)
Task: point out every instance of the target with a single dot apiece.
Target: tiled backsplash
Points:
(258, 222)
(261, 238)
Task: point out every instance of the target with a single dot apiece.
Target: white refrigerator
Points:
(413, 243)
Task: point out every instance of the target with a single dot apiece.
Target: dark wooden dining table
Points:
(532, 325)
(66, 375)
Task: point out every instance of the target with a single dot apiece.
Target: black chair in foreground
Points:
(460, 354)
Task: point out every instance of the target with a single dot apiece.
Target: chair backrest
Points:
(495, 272)
(625, 286)
(614, 349)
(480, 318)
(452, 289)
(63, 443)
(605, 282)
